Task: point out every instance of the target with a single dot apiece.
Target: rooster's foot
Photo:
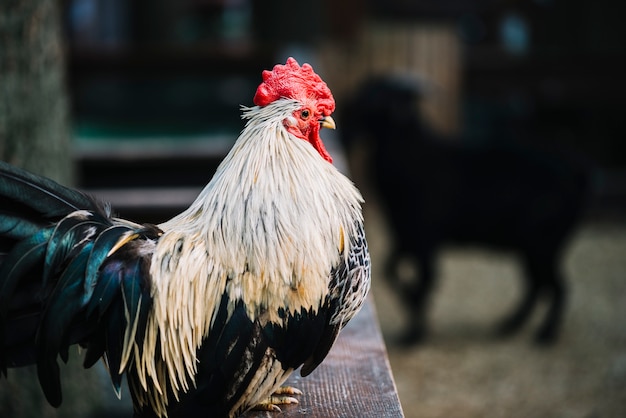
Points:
(282, 396)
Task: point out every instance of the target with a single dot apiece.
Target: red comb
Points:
(294, 82)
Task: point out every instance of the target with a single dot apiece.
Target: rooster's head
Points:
(301, 83)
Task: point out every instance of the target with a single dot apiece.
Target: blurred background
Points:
(137, 101)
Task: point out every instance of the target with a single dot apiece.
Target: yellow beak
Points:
(328, 122)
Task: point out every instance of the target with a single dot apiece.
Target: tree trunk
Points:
(34, 123)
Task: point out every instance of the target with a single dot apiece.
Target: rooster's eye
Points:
(305, 114)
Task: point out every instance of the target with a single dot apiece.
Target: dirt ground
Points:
(463, 371)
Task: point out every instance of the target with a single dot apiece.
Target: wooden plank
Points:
(355, 380)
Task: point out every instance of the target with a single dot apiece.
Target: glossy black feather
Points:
(297, 337)
(15, 227)
(62, 306)
(40, 195)
(114, 335)
(61, 283)
(63, 242)
(19, 262)
(103, 243)
(96, 348)
(16, 264)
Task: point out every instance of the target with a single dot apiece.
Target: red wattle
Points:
(319, 146)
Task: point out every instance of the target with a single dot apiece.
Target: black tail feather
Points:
(65, 278)
(41, 195)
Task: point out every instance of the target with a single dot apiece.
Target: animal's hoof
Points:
(510, 326)
(504, 331)
(545, 338)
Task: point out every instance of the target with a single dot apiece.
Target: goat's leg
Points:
(416, 296)
(554, 288)
(532, 282)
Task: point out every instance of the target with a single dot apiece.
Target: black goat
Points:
(439, 191)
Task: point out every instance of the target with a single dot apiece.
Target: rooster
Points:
(206, 314)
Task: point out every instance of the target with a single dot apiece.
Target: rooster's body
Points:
(208, 313)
